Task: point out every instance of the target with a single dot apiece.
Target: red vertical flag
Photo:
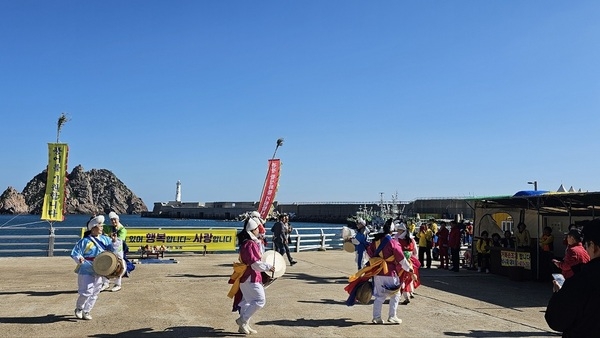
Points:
(270, 189)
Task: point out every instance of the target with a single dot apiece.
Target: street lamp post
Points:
(534, 184)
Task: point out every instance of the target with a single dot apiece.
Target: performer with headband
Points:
(387, 262)
(409, 248)
(247, 289)
(84, 252)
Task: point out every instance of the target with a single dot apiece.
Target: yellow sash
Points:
(376, 265)
(238, 271)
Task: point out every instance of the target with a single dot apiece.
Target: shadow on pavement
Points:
(47, 319)
(479, 333)
(38, 293)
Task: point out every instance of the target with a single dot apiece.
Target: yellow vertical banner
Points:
(54, 198)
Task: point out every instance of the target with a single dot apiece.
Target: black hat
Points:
(576, 234)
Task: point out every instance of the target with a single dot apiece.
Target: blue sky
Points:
(427, 99)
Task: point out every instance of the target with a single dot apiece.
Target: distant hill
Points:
(87, 192)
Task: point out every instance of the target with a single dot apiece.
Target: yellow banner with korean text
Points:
(54, 197)
(174, 239)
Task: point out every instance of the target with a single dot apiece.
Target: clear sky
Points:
(423, 98)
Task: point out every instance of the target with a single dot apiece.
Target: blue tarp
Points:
(527, 193)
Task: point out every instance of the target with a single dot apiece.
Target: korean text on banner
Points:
(54, 198)
(270, 189)
(174, 239)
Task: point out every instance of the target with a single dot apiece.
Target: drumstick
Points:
(273, 273)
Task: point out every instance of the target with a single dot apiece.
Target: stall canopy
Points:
(529, 205)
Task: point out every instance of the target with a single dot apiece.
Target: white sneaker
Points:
(247, 326)
(244, 329)
(79, 313)
(104, 287)
(116, 288)
(377, 320)
(395, 320)
(87, 316)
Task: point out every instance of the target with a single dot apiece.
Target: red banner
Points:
(270, 189)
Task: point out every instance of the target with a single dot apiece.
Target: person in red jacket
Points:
(454, 245)
(575, 255)
(443, 246)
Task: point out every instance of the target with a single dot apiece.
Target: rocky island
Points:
(87, 192)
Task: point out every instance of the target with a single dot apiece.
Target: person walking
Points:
(85, 251)
(280, 238)
(247, 289)
(573, 308)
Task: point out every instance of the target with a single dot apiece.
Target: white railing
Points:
(303, 239)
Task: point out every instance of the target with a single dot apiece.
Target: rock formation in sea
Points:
(87, 192)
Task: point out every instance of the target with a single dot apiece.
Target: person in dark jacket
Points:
(573, 308)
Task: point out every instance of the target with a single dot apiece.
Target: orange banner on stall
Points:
(54, 198)
(270, 189)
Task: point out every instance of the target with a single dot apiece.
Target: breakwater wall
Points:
(327, 212)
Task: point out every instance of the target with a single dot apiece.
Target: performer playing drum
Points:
(247, 289)
(84, 253)
(276, 259)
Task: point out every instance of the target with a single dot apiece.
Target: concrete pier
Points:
(188, 299)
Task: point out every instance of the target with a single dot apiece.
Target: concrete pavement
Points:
(188, 299)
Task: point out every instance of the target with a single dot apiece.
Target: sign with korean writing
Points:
(54, 197)
(524, 260)
(516, 258)
(270, 189)
(182, 239)
(508, 258)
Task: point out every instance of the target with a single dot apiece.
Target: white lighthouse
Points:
(178, 192)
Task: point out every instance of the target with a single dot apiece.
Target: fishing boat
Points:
(376, 218)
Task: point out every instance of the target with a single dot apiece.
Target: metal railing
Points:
(31, 242)
(47, 245)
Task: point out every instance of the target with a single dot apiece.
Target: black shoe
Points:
(293, 262)
(405, 302)
(411, 296)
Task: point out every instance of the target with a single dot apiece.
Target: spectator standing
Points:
(508, 241)
(483, 252)
(454, 245)
(425, 236)
(573, 308)
(547, 240)
(443, 246)
(522, 236)
(496, 240)
(468, 239)
(575, 255)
